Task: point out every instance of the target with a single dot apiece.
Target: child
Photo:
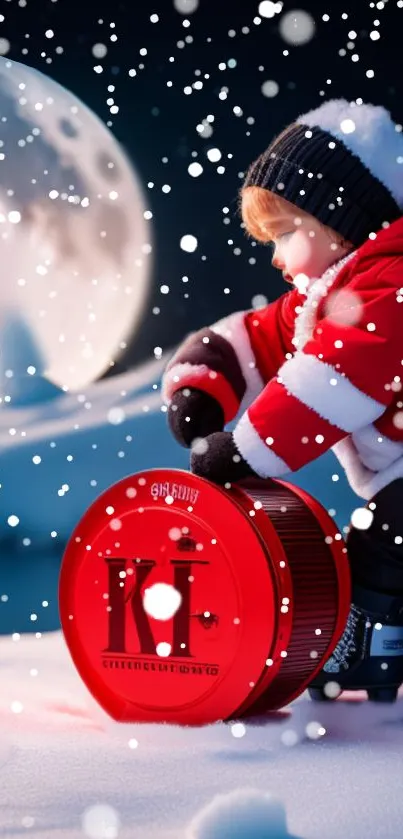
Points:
(320, 367)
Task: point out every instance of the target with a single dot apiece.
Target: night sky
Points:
(192, 81)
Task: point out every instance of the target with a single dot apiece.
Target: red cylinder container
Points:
(184, 602)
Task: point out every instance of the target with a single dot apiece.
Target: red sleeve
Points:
(271, 331)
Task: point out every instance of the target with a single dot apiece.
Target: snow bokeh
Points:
(101, 822)
(297, 27)
(161, 601)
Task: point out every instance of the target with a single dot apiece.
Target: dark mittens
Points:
(219, 460)
(205, 415)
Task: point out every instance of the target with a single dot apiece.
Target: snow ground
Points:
(60, 755)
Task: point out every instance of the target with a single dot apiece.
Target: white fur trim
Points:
(363, 481)
(382, 479)
(171, 379)
(376, 451)
(233, 329)
(342, 404)
(307, 318)
(374, 140)
(257, 454)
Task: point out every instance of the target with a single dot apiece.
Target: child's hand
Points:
(193, 413)
(217, 459)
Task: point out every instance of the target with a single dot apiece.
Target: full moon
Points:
(75, 247)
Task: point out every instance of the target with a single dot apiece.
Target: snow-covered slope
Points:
(336, 767)
(84, 441)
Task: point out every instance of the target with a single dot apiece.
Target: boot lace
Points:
(347, 644)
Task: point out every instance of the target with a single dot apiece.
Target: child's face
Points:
(302, 247)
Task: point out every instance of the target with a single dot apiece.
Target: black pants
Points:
(376, 560)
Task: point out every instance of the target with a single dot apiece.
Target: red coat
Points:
(315, 371)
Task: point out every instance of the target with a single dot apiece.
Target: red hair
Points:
(258, 205)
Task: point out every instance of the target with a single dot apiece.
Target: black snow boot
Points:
(369, 655)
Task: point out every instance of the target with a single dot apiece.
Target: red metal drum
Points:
(184, 602)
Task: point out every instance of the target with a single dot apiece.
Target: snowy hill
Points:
(67, 769)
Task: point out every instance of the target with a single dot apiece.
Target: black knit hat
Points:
(341, 163)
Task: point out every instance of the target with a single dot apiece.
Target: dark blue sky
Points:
(157, 120)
